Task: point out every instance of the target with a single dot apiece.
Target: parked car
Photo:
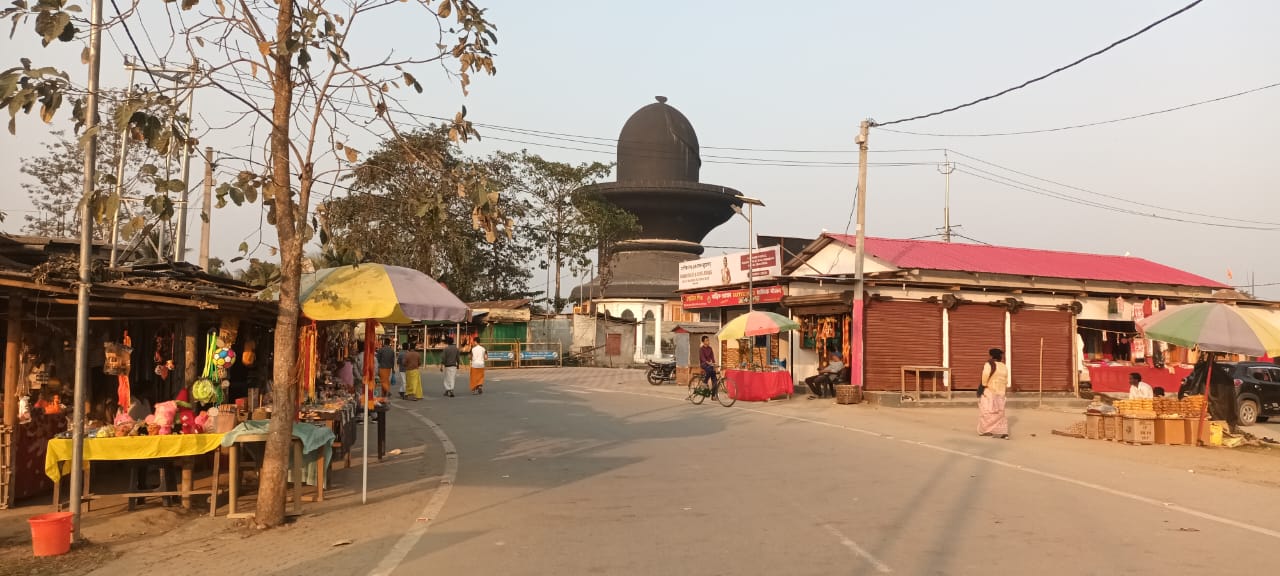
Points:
(1257, 388)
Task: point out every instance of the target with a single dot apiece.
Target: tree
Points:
(557, 226)
(607, 225)
(218, 268)
(309, 81)
(58, 183)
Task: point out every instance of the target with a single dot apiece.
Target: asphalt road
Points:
(575, 472)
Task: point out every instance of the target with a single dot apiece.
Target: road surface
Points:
(589, 472)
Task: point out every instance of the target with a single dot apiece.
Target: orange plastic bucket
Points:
(51, 533)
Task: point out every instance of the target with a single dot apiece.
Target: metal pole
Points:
(205, 213)
(946, 170)
(856, 351)
(86, 252)
(124, 150)
(751, 264)
(180, 246)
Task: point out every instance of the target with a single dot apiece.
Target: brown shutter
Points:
(974, 330)
(1028, 327)
(901, 333)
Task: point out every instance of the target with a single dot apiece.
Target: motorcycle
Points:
(660, 372)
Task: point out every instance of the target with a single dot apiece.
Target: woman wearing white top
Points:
(992, 420)
(477, 368)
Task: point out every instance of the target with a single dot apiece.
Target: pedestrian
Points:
(477, 367)
(449, 365)
(412, 375)
(1138, 388)
(707, 361)
(346, 374)
(992, 420)
(398, 376)
(386, 358)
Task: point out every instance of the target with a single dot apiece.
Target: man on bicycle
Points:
(707, 358)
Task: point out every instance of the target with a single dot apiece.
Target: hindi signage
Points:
(719, 298)
(731, 268)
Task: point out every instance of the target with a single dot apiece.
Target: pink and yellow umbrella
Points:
(756, 323)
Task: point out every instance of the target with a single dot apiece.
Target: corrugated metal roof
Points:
(935, 255)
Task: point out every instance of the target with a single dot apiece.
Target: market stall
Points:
(759, 384)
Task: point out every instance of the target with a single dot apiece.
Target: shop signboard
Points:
(500, 355)
(527, 355)
(720, 298)
(731, 268)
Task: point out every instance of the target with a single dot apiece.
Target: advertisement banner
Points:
(730, 269)
(719, 298)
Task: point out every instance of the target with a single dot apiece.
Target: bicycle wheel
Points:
(728, 393)
(698, 394)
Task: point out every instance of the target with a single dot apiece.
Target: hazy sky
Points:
(800, 76)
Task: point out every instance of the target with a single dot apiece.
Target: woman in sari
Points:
(995, 379)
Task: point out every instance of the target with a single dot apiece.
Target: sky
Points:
(801, 76)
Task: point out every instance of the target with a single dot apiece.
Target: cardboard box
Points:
(1111, 427)
(1093, 426)
(1171, 431)
(1138, 430)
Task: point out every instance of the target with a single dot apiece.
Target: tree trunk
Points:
(273, 485)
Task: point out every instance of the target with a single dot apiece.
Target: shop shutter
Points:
(900, 333)
(1028, 327)
(974, 330)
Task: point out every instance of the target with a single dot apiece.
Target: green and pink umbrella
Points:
(756, 323)
(1217, 327)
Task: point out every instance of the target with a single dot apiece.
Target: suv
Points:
(1257, 388)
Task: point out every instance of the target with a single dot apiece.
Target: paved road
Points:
(574, 472)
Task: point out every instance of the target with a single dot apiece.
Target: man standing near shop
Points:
(449, 365)
(386, 363)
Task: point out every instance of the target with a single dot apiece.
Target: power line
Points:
(1044, 76)
(1088, 124)
(1112, 197)
(136, 50)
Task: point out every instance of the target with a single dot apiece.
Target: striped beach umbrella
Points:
(1217, 327)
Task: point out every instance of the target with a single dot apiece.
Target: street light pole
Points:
(856, 344)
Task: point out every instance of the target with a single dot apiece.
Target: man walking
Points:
(477, 367)
(410, 361)
(449, 365)
(386, 357)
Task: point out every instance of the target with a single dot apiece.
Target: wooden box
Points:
(1171, 431)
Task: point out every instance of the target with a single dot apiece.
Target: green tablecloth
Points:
(314, 438)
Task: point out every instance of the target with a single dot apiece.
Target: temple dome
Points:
(658, 144)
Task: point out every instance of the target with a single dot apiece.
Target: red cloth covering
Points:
(760, 386)
(1116, 378)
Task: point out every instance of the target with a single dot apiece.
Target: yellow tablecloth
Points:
(57, 460)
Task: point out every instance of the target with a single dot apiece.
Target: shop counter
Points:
(57, 461)
(761, 386)
(1115, 379)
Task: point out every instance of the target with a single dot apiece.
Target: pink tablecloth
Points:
(760, 386)
(1116, 378)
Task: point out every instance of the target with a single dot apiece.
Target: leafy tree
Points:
(259, 273)
(218, 268)
(607, 226)
(557, 226)
(305, 76)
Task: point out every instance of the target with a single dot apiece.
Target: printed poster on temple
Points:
(730, 269)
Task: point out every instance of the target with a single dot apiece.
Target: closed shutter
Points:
(900, 334)
(974, 330)
(1027, 328)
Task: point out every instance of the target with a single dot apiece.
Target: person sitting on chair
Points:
(824, 382)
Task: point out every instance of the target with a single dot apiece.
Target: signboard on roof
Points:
(730, 269)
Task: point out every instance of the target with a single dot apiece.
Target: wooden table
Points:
(295, 471)
(918, 370)
(131, 448)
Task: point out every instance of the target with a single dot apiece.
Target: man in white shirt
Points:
(477, 368)
(1138, 388)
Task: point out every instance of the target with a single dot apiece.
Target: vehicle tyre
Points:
(728, 393)
(653, 376)
(1248, 412)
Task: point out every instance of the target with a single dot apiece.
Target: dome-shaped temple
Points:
(658, 143)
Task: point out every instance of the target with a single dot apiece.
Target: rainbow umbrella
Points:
(756, 323)
(388, 294)
(1217, 327)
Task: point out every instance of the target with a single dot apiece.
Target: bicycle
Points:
(700, 390)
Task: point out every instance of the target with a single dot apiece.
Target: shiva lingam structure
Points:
(658, 167)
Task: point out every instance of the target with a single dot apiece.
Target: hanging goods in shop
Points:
(123, 393)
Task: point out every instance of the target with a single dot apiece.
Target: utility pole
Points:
(124, 151)
(86, 252)
(856, 348)
(205, 212)
(946, 169)
(180, 246)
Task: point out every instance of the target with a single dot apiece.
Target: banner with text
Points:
(731, 268)
(763, 295)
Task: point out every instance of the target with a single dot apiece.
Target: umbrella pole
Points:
(1204, 410)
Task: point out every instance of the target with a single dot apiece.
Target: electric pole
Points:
(86, 253)
(856, 368)
(205, 212)
(120, 162)
(946, 169)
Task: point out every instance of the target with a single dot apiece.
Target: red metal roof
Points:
(935, 255)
